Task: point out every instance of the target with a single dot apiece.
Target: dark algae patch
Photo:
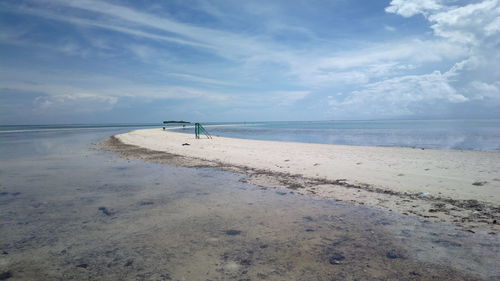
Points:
(5, 275)
(233, 232)
(106, 211)
(479, 183)
(393, 254)
(447, 243)
(336, 258)
(146, 203)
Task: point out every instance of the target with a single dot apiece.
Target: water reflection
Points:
(448, 134)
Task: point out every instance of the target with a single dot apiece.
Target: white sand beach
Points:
(455, 175)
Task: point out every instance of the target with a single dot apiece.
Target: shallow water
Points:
(69, 211)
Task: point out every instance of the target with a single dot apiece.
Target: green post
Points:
(198, 129)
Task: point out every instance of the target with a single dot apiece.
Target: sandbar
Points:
(461, 187)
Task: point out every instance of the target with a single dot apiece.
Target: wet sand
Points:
(460, 187)
(70, 211)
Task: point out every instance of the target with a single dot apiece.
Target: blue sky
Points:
(65, 61)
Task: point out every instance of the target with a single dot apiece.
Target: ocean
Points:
(483, 135)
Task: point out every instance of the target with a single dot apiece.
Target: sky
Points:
(86, 61)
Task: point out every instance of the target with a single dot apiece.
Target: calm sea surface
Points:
(437, 134)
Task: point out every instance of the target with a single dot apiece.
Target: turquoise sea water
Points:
(436, 134)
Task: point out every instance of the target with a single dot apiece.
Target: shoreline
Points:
(459, 187)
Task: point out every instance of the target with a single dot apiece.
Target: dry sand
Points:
(462, 187)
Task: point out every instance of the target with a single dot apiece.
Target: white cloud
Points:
(127, 20)
(470, 24)
(114, 25)
(483, 91)
(414, 50)
(75, 103)
(399, 96)
(408, 8)
(314, 67)
(143, 52)
(386, 78)
(471, 28)
(389, 28)
(200, 79)
(381, 61)
(289, 97)
(493, 27)
(73, 85)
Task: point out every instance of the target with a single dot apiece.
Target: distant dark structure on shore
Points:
(173, 122)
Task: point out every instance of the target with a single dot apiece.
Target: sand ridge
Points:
(462, 187)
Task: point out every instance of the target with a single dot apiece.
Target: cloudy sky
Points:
(65, 61)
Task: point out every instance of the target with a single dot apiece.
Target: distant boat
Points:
(173, 122)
